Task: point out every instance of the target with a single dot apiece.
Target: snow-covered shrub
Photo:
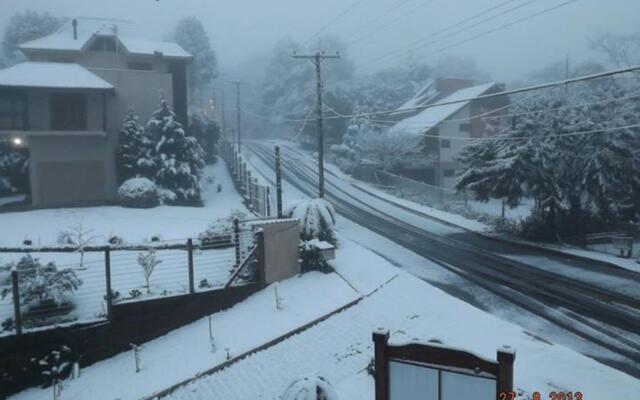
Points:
(138, 193)
(221, 229)
(344, 157)
(43, 285)
(134, 156)
(310, 388)
(166, 196)
(317, 219)
(311, 255)
(79, 237)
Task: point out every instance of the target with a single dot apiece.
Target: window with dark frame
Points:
(449, 173)
(68, 111)
(465, 127)
(445, 143)
(13, 110)
(140, 66)
(103, 44)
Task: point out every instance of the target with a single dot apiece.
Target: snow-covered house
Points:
(442, 131)
(68, 101)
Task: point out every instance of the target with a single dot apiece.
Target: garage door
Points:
(64, 183)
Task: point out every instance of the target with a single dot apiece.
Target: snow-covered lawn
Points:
(186, 352)
(133, 225)
(340, 348)
(174, 224)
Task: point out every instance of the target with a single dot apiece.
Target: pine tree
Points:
(207, 132)
(134, 154)
(178, 157)
(23, 27)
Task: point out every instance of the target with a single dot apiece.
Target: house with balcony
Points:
(67, 102)
(441, 132)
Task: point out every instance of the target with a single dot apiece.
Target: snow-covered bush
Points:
(221, 229)
(344, 157)
(42, 285)
(310, 388)
(138, 193)
(317, 219)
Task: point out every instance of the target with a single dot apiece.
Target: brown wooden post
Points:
(190, 265)
(250, 190)
(380, 339)
(504, 381)
(17, 317)
(278, 182)
(107, 279)
(267, 201)
(236, 239)
(261, 254)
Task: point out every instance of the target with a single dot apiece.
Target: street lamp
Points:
(17, 141)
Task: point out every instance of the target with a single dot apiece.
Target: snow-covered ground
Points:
(174, 224)
(340, 348)
(133, 225)
(186, 352)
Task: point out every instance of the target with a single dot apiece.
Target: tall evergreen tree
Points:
(134, 155)
(190, 34)
(179, 158)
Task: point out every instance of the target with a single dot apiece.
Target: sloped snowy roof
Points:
(51, 75)
(432, 116)
(423, 97)
(88, 29)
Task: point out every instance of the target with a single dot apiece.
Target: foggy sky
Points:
(242, 30)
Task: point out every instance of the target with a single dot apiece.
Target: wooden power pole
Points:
(317, 58)
(238, 114)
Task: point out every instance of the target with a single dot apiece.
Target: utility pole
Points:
(238, 113)
(222, 111)
(316, 59)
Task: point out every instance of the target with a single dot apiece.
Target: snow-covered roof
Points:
(423, 97)
(88, 29)
(433, 116)
(51, 75)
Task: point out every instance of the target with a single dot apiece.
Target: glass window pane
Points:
(412, 382)
(465, 387)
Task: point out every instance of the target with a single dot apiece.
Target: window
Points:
(445, 143)
(140, 66)
(449, 173)
(68, 111)
(103, 44)
(13, 110)
(465, 127)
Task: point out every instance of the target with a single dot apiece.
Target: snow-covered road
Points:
(600, 307)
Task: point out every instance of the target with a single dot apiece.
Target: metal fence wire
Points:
(41, 289)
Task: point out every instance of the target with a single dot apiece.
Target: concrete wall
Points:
(138, 89)
(281, 249)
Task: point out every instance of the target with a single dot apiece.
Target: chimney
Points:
(447, 86)
(75, 29)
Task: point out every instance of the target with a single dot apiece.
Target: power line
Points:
(485, 33)
(333, 21)
(419, 44)
(525, 89)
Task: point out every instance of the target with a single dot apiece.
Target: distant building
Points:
(68, 101)
(442, 131)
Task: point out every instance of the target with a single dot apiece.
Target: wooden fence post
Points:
(381, 378)
(267, 201)
(190, 265)
(262, 262)
(107, 279)
(505, 371)
(236, 239)
(250, 190)
(17, 317)
(278, 182)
